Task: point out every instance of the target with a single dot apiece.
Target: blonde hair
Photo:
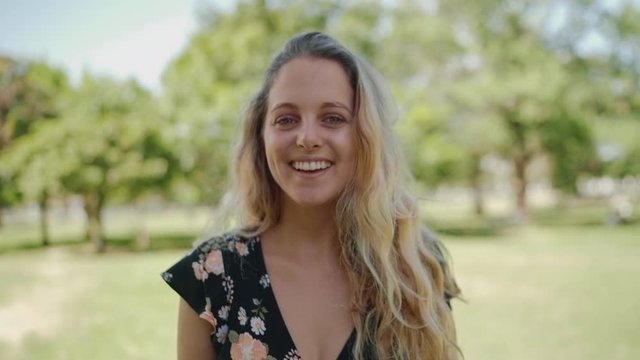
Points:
(398, 271)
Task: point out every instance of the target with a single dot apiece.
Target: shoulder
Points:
(229, 244)
(226, 254)
(212, 264)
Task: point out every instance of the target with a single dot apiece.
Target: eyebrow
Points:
(337, 104)
(329, 104)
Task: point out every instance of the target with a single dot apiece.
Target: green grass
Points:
(558, 291)
(112, 306)
(540, 293)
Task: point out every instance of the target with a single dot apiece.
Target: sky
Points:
(120, 38)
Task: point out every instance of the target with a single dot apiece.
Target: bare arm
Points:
(194, 342)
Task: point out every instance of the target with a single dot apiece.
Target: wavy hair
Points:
(398, 270)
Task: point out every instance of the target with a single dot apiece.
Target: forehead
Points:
(307, 81)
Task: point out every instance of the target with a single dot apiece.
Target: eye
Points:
(334, 119)
(284, 121)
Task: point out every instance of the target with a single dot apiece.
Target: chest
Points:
(279, 312)
(314, 303)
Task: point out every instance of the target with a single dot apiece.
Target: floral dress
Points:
(225, 280)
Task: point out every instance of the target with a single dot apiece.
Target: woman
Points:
(329, 260)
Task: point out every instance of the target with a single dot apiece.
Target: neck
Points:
(306, 231)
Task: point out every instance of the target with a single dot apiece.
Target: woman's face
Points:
(309, 131)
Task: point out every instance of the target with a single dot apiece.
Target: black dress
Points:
(225, 280)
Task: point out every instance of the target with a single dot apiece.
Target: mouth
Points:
(311, 167)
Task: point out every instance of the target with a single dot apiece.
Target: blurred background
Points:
(521, 121)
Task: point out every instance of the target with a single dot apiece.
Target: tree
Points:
(111, 143)
(107, 141)
(508, 74)
(29, 96)
(610, 71)
(11, 88)
(35, 168)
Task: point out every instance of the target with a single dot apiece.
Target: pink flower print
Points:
(223, 313)
(208, 315)
(248, 348)
(293, 355)
(257, 325)
(242, 316)
(221, 335)
(198, 271)
(242, 248)
(213, 263)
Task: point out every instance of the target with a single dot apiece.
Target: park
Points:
(521, 131)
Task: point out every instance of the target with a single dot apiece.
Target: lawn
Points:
(540, 293)
(532, 292)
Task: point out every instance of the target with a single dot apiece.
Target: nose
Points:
(308, 136)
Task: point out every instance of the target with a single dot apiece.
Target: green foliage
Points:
(490, 77)
(110, 139)
(105, 141)
(43, 87)
(569, 142)
(106, 138)
(9, 193)
(610, 76)
(434, 159)
(627, 164)
(471, 80)
(512, 94)
(205, 86)
(30, 95)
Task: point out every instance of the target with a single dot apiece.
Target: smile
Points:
(311, 165)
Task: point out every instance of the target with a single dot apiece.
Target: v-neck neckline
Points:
(345, 352)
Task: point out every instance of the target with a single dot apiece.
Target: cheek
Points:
(350, 153)
(272, 152)
(349, 148)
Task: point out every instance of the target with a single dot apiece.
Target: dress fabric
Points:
(225, 280)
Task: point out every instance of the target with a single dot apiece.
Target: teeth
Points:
(311, 165)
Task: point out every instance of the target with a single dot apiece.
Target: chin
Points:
(313, 201)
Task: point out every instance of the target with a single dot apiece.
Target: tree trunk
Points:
(43, 203)
(1, 217)
(519, 132)
(93, 207)
(520, 162)
(476, 184)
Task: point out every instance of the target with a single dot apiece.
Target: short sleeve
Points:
(199, 278)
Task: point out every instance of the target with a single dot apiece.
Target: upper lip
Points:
(311, 160)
